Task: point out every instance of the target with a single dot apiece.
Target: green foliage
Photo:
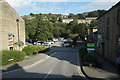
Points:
(72, 36)
(96, 13)
(54, 19)
(30, 50)
(31, 14)
(83, 51)
(60, 19)
(44, 31)
(89, 58)
(80, 16)
(30, 28)
(93, 23)
(45, 26)
(12, 54)
(59, 29)
(71, 15)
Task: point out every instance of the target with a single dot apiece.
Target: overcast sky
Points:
(25, 7)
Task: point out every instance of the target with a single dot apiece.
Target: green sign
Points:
(90, 44)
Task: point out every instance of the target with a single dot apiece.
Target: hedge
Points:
(30, 50)
(9, 56)
(89, 58)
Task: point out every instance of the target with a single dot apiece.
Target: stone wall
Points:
(109, 41)
(9, 25)
(0, 25)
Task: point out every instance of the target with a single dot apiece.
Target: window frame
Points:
(118, 43)
(118, 16)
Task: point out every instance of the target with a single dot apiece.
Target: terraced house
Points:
(12, 27)
(108, 44)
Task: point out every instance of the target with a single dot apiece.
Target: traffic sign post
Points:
(91, 49)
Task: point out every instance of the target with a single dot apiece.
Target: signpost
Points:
(91, 50)
(89, 45)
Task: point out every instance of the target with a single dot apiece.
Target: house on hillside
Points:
(12, 27)
(87, 20)
(108, 44)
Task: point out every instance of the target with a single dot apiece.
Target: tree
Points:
(56, 31)
(71, 15)
(60, 19)
(80, 29)
(30, 27)
(93, 23)
(101, 12)
(81, 16)
(31, 14)
(54, 19)
(44, 31)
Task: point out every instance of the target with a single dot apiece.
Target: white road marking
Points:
(51, 70)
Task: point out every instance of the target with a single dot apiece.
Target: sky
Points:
(25, 7)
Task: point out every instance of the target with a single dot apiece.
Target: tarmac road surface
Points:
(64, 63)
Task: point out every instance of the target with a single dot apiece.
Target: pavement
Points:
(107, 72)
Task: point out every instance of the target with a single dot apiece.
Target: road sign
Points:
(90, 49)
(90, 44)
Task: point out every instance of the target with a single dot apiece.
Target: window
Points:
(118, 16)
(107, 35)
(118, 44)
(103, 30)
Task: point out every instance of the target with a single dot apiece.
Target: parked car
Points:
(67, 44)
(38, 43)
(53, 41)
(35, 43)
(50, 42)
(46, 44)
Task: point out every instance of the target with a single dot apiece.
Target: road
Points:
(64, 63)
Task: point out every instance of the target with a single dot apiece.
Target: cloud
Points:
(98, 4)
(31, 5)
(20, 3)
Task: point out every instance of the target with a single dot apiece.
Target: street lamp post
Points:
(13, 42)
(18, 28)
(17, 20)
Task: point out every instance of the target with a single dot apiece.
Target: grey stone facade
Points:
(109, 32)
(9, 26)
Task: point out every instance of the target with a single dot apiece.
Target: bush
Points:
(30, 50)
(83, 51)
(89, 58)
(12, 54)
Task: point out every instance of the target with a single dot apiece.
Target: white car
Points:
(35, 43)
(45, 44)
(55, 39)
(49, 42)
(38, 43)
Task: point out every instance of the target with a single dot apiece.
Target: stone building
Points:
(87, 20)
(12, 27)
(108, 44)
